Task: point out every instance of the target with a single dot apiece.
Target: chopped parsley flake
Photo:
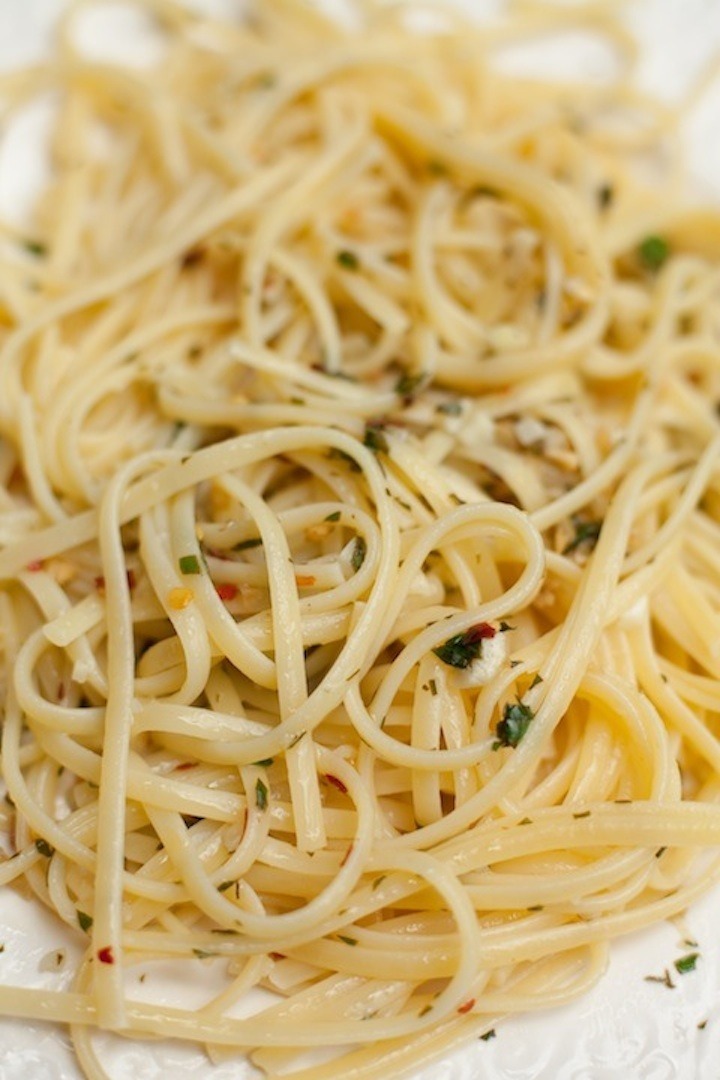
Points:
(449, 408)
(35, 247)
(652, 252)
(460, 650)
(261, 795)
(348, 260)
(189, 564)
(335, 516)
(84, 921)
(245, 545)
(358, 554)
(375, 439)
(605, 196)
(514, 724)
(686, 963)
(586, 532)
(407, 384)
(347, 940)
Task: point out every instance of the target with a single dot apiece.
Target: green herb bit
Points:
(491, 1034)
(225, 885)
(407, 384)
(536, 682)
(44, 848)
(261, 795)
(265, 763)
(84, 921)
(348, 260)
(514, 724)
(504, 627)
(437, 168)
(375, 439)
(189, 564)
(35, 247)
(449, 408)
(460, 650)
(245, 545)
(347, 940)
(266, 80)
(335, 516)
(202, 954)
(686, 963)
(358, 554)
(586, 532)
(652, 252)
(484, 191)
(432, 687)
(605, 196)
(335, 452)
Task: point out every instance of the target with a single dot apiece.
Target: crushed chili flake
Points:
(226, 590)
(304, 579)
(105, 955)
(336, 783)
(467, 1006)
(34, 565)
(184, 765)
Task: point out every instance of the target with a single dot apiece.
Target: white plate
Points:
(627, 1028)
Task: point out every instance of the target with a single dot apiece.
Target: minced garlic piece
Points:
(179, 598)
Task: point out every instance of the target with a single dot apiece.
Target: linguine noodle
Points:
(360, 533)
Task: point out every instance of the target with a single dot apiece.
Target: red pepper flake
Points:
(304, 580)
(467, 1006)
(336, 783)
(35, 565)
(184, 765)
(100, 584)
(347, 855)
(105, 955)
(276, 956)
(480, 632)
(226, 590)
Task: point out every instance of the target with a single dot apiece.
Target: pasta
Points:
(360, 529)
